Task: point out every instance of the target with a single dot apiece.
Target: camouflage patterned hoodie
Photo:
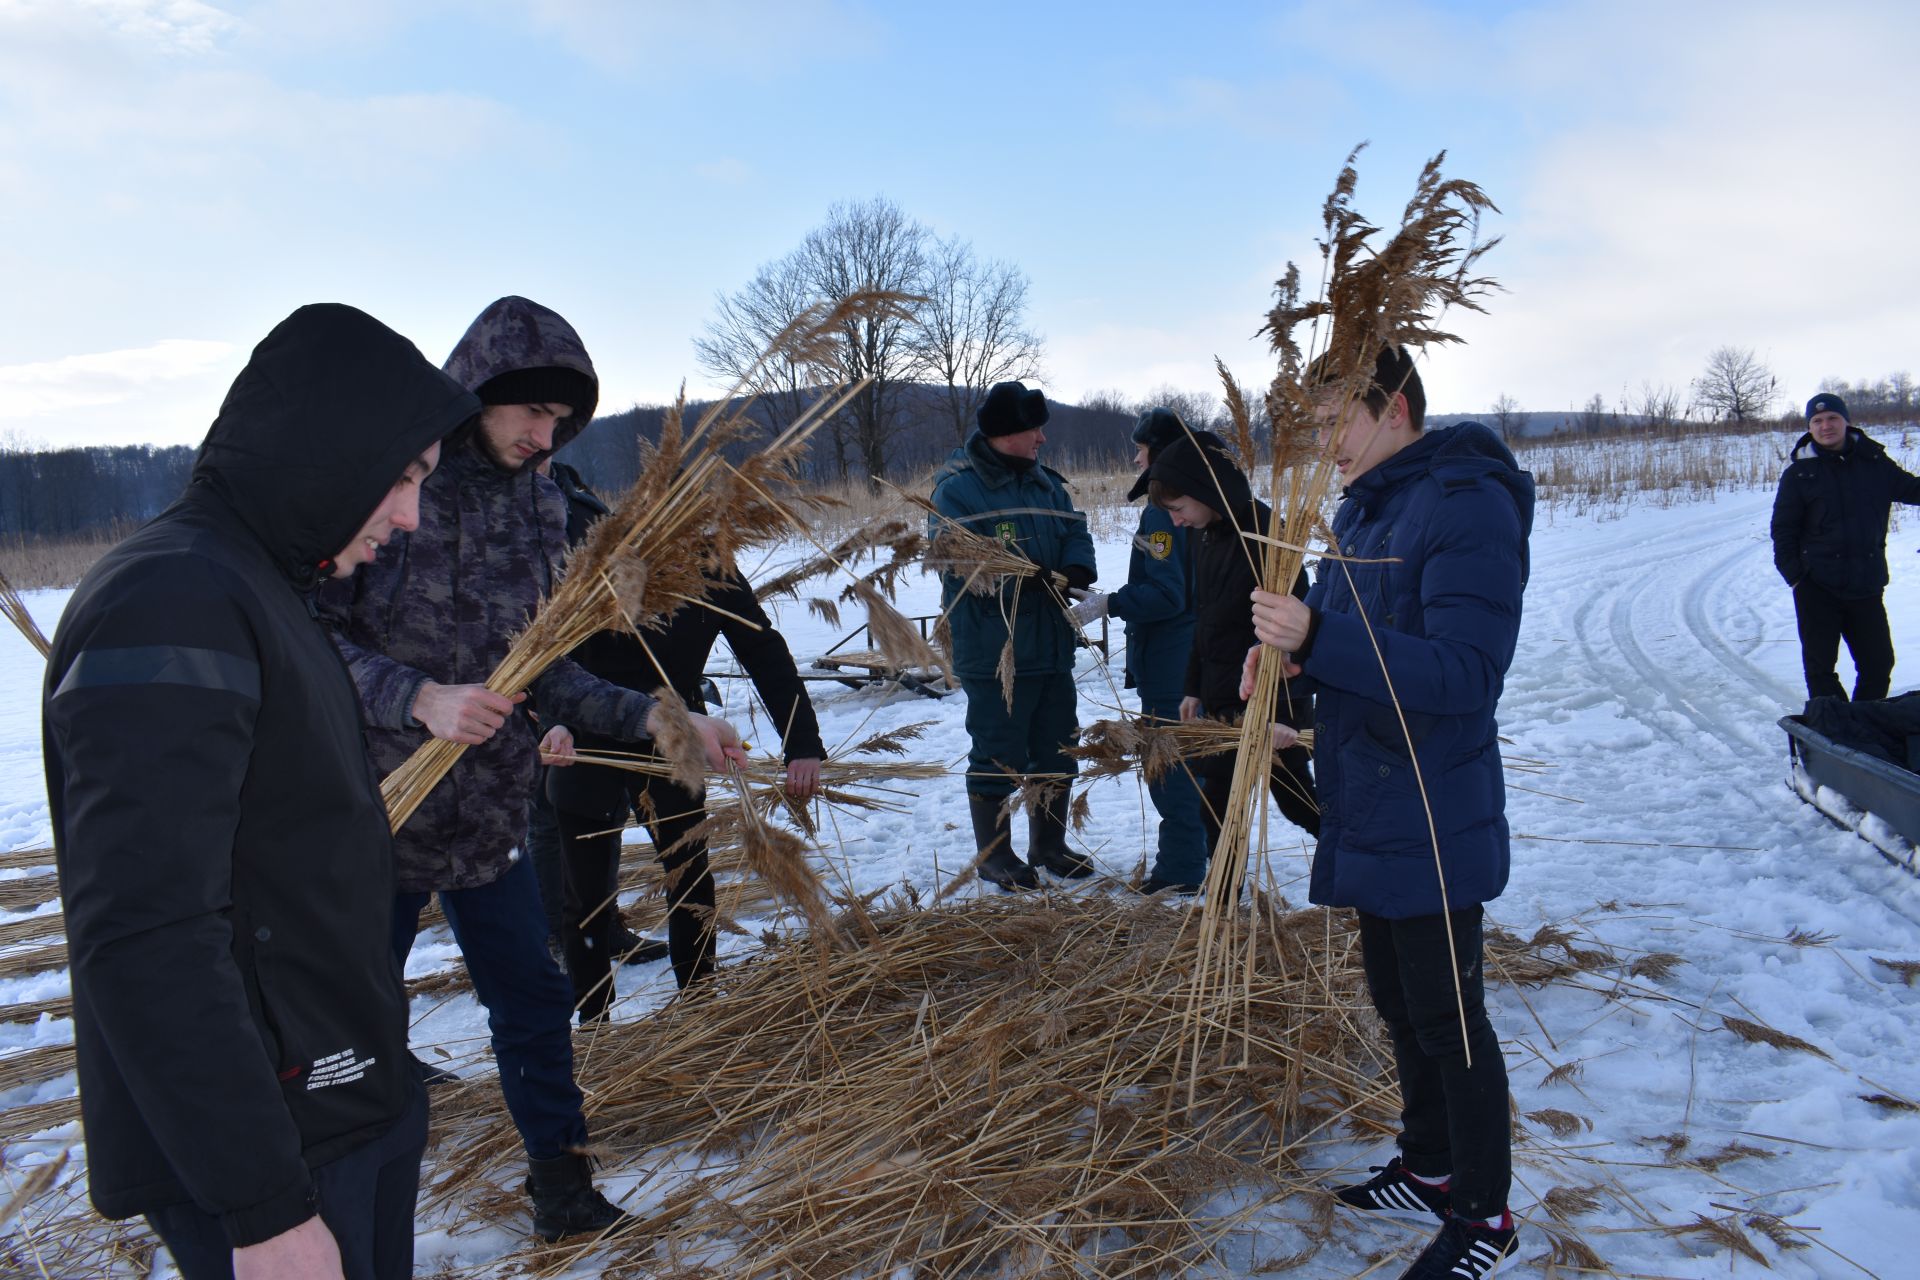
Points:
(442, 604)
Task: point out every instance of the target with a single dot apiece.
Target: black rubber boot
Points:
(993, 832)
(1047, 838)
(631, 948)
(565, 1202)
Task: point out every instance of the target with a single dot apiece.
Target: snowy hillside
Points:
(1657, 652)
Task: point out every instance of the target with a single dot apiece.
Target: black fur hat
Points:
(1009, 409)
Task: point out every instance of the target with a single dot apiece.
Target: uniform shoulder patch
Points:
(1160, 544)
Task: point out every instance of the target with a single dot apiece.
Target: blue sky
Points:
(179, 174)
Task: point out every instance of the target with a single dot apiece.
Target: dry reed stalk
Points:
(36, 857)
(31, 1187)
(1371, 297)
(16, 612)
(1156, 746)
(684, 520)
(23, 893)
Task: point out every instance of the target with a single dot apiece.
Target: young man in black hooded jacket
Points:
(240, 1026)
(1199, 485)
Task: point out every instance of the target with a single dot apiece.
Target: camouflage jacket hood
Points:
(517, 333)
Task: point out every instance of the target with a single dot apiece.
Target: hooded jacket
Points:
(1224, 575)
(223, 850)
(1438, 539)
(1830, 514)
(444, 605)
(980, 490)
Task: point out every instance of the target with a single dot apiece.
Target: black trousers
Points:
(1825, 620)
(1291, 783)
(1453, 1118)
(365, 1197)
(592, 862)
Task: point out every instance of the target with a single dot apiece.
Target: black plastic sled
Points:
(1873, 798)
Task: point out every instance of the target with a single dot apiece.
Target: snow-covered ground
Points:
(1657, 653)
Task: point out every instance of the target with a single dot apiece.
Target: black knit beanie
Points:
(1009, 409)
(548, 384)
(1827, 402)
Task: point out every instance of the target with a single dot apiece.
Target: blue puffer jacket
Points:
(978, 489)
(1446, 519)
(1157, 605)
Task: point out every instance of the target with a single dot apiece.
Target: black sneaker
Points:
(1464, 1251)
(1392, 1193)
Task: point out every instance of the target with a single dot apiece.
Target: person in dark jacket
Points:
(592, 803)
(994, 485)
(543, 825)
(1157, 606)
(1405, 644)
(240, 1027)
(1830, 544)
(421, 634)
(1201, 488)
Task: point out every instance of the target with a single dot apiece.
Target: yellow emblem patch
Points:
(1160, 544)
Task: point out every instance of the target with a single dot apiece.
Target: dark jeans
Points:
(1183, 849)
(1291, 782)
(1453, 1117)
(1030, 738)
(365, 1197)
(1826, 619)
(549, 865)
(592, 877)
(502, 933)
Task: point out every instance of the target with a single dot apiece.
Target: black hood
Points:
(328, 412)
(1201, 470)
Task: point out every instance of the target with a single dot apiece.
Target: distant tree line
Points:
(56, 493)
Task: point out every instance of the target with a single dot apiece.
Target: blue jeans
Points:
(501, 930)
(1183, 850)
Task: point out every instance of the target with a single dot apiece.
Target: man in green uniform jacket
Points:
(995, 486)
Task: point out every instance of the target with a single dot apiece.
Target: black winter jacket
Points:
(223, 851)
(1224, 576)
(1830, 514)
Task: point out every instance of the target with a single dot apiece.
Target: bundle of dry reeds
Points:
(1154, 746)
(16, 612)
(685, 518)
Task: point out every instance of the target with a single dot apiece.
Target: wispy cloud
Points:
(724, 35)
(96, 379)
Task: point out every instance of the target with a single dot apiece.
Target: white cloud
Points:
(139, 388)
(171, 26)
(717, 37)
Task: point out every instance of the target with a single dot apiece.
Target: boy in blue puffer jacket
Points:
(1405, 644)
(995, 486)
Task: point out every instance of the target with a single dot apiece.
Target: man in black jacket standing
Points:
(1830, 544)
(240, 1026)
(592, 802)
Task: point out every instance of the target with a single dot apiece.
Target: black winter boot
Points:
(993, 832)
(1047, 838)
(565, 1202)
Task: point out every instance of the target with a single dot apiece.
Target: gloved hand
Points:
(1091, 608)
(1078, 575)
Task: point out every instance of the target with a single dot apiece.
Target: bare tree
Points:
(969, 331)
(745, 325)
(1506, 414)
(1201, 410)
(1592, 417)
(870, 245)
(1736, 387)
(1901, 387)
(1660, 406)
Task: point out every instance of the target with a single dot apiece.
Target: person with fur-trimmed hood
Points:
(1405, 643)
(239, 1024)
(1197, 483)
(994, 485)
(1157, 606)
(421, 635)
(1830, 544)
